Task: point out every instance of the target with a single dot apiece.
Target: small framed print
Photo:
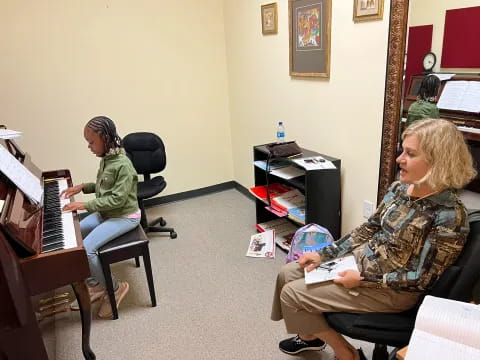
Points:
(269, 19)
(366, 10)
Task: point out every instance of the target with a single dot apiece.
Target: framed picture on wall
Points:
(366, 10)
(269, 19)
(309, 30)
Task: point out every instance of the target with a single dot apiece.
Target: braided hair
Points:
(106, 128)
(429, 88)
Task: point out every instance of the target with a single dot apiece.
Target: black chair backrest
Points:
(146, 151)
(458, 281)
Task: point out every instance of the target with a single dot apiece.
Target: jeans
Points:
(97, 231)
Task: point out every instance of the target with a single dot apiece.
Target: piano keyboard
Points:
(58, 228)
(468, 129)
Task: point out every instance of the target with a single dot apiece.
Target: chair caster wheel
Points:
(173, 235)
(163, 222)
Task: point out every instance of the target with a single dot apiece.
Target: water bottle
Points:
(280, 132)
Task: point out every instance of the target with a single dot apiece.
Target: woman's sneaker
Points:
(295, 345)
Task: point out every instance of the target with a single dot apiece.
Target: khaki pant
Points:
(302, 306)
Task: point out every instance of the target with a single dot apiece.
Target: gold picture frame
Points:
(367, 10)
(309, 37)
(269, 19)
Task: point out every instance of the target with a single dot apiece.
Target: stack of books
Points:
(292, 203)
(284, 231)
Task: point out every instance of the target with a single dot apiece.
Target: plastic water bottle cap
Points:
(280, 123)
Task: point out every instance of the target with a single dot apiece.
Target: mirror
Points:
(393, 93)
(394, 87)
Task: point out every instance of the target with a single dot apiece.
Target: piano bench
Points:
(132, 244)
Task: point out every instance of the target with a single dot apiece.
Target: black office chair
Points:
(147, 153)
(456, 283)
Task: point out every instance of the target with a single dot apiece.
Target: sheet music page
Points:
(452, 95)
(28, 183)
(471, 98)
(443, 327)
(329, 270)
(424, 345)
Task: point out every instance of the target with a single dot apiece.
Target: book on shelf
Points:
(329, 270)
(460, 96)
(274, 164)
(445, 329)
(275, 189)
(284, 231)
(297, 214)
(262, 245)
(289, 200)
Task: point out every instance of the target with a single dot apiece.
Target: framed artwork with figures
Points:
(309, 37)
(366, 10)
(269, 19)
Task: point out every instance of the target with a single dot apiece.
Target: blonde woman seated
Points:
(417, 232)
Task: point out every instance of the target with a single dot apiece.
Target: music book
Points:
(445, 329)
(262, 245)
(28, 183)
(284, 231)
(329, 270)
(460, 96)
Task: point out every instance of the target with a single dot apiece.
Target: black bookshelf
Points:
(320, 187)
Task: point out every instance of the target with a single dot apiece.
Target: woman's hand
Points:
(74, 206)
(349, 279)
(310, 261)
(67, 193)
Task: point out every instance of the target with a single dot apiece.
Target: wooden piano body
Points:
(25, 271)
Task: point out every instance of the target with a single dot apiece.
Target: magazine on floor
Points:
(262, 245)
(329, 270)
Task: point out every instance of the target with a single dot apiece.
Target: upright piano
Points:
(40, 250)
(467, 122)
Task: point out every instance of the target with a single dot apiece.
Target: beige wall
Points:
(341, 117)
(427, 12)
(150, 65)
(164, 66)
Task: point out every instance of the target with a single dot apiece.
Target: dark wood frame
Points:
(393, 94)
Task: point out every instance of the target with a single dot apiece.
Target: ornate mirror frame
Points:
(393, 93)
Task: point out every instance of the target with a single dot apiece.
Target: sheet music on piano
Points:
(20, 176)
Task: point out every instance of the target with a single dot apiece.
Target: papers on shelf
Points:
(274, 164)
(288, 172)
(444, 77)
(262, 245)
(289, 200)
(28, 183)
(314, 163)
(445, 329)
(461, 96)
(284, 231)
(275, 189)
(329, 270)
(9, 134)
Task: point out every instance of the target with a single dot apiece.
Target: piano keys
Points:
(44, 252)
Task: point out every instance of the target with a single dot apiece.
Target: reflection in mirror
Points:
(418, 26)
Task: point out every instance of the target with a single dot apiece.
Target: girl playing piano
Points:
(113, 212)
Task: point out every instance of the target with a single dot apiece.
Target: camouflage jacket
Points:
(406, 244)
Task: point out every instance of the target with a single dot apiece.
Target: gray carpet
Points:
(213, 301)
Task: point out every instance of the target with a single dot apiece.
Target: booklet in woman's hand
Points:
(329, 270)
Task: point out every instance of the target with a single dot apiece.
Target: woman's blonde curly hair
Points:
(445, 150)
